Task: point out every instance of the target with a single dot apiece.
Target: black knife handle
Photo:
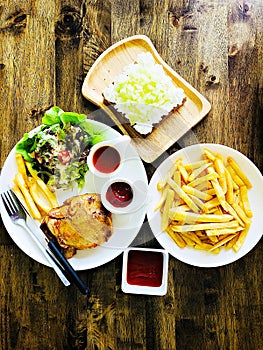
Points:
(71, 273)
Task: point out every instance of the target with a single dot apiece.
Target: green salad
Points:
(58, 149)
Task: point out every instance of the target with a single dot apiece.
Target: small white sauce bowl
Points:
(119, 144)
(140, 194)
(145, 289)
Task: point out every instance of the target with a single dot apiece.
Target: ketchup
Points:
(106, 159)
(119, 194)
(145, 268)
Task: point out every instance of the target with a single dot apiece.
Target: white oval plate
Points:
(198, 257)
(125, 226)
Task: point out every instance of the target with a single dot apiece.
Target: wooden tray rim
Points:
(205, 108)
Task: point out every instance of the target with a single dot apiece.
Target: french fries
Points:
(33, 193)
(204, 205)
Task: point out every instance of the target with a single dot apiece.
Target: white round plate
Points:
(125, 226)
(198, 257)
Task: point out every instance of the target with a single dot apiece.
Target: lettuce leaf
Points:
(72, 118)
(52, 116)
(26, 146)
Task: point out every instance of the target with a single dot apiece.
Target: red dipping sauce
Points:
(145, 268)
(119, 194)
(106, 159)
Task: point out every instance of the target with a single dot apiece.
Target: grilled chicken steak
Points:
(81, 222)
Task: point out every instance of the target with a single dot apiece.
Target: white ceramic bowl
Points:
(118, 145)
(142, 273)
(139, 195)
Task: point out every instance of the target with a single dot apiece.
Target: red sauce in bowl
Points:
(145, 268)
(106, 159)
(119, 194)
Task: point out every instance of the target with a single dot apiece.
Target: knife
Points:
(54, 255)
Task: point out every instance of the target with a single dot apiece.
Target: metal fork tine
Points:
(12, 201)
(19, 204)
(6, 203)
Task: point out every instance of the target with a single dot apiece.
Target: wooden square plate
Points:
(110, 64)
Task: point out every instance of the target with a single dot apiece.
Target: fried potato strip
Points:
(33, 193)
(205, 204)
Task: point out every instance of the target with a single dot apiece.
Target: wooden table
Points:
(47, 47)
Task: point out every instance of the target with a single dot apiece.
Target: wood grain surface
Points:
(46, 49)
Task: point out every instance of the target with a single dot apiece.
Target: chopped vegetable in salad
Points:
(58, 150)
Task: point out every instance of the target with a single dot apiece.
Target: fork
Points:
(18, 217)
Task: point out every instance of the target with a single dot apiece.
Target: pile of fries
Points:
(33, 193)
(205, 204)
